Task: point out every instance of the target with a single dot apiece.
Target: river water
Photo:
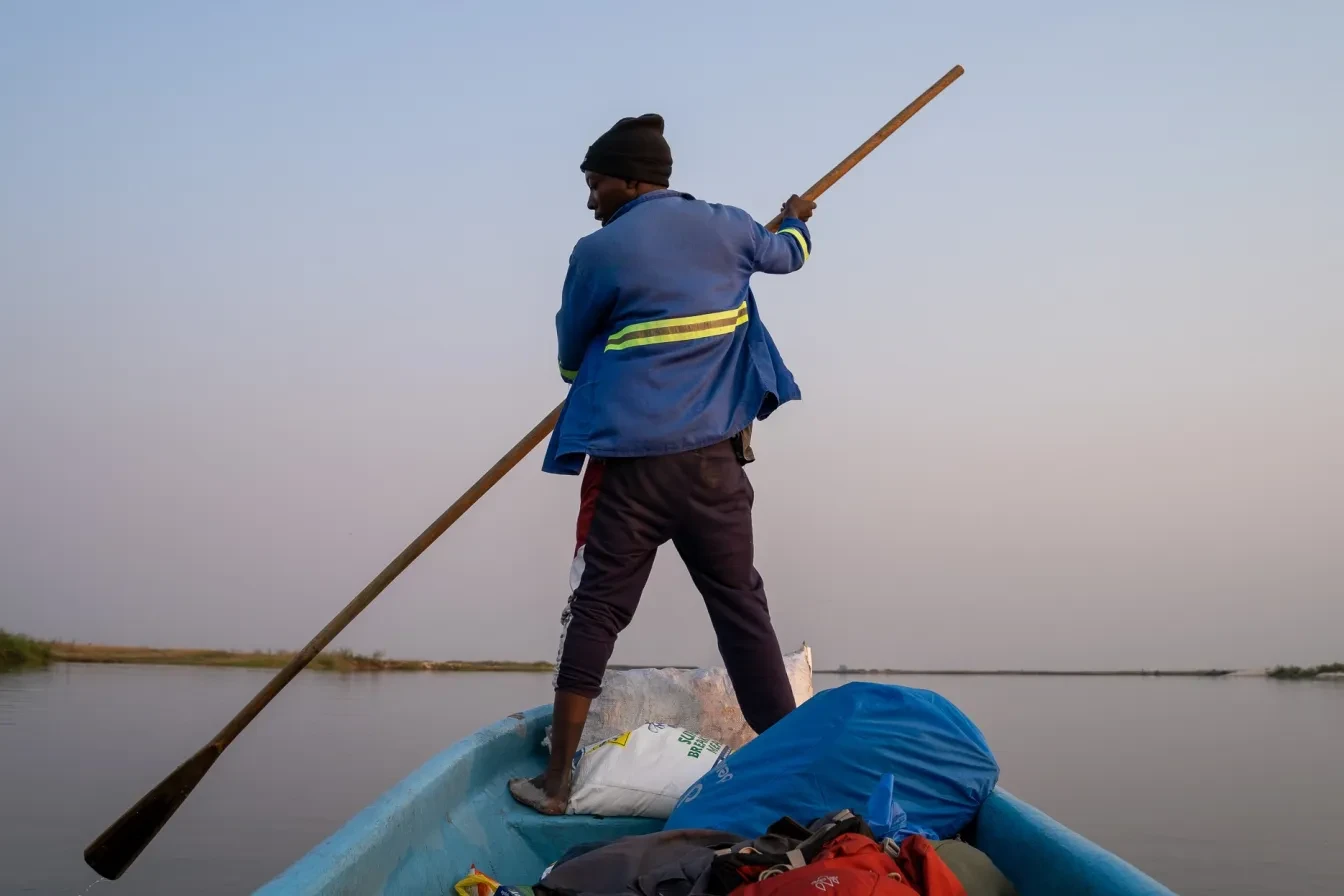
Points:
(1226, 787)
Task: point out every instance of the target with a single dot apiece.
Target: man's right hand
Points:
(797, 207)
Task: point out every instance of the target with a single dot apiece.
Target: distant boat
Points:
(422, 836)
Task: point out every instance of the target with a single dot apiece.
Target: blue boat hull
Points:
(423, 835)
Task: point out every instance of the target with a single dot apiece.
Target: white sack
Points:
(700, 700)
(641, 772)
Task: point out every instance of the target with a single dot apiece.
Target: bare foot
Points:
(534, 793)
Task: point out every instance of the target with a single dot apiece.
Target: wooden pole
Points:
(877, 139)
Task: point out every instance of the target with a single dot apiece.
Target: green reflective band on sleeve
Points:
(678, 329)
(802, 240)
(568, 375)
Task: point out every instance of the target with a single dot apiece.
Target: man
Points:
(669, 364)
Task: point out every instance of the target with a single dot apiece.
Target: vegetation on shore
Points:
(17, 651)
(1293, 673)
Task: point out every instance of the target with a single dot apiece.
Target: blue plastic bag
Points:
(832, 752)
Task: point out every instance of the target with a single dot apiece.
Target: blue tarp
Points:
(831, 753)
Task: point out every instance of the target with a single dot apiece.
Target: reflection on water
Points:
(1227, 787)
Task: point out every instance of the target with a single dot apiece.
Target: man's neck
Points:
(635, 200)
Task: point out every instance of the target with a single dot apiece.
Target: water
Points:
(1228, 787)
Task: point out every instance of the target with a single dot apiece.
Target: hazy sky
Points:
(278, 282)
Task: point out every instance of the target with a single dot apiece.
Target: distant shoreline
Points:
(21, 651)
(1329, 671)
(1060, 673)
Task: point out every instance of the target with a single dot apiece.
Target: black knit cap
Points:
(634, 149)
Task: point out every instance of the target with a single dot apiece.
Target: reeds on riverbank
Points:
(1293, 673)
(337, 661)
(17, 651)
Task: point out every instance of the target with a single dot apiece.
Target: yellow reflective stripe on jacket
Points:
(568, 376)
(678, 329)
(798, 235)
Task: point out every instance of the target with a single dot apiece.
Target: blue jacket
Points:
(659, 332)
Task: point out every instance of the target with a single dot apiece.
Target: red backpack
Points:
(855, 865)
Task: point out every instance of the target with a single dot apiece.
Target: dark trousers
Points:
(700, 501)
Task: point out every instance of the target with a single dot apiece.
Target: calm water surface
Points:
(1224, 787)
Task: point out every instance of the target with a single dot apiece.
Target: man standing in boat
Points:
(670, 364)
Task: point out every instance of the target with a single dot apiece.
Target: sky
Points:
(278, 283)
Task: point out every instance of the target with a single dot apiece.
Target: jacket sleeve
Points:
(583, 310)
(783, 252)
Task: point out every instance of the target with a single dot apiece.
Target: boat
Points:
(423, 836)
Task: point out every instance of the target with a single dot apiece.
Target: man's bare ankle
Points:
(559, 788)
